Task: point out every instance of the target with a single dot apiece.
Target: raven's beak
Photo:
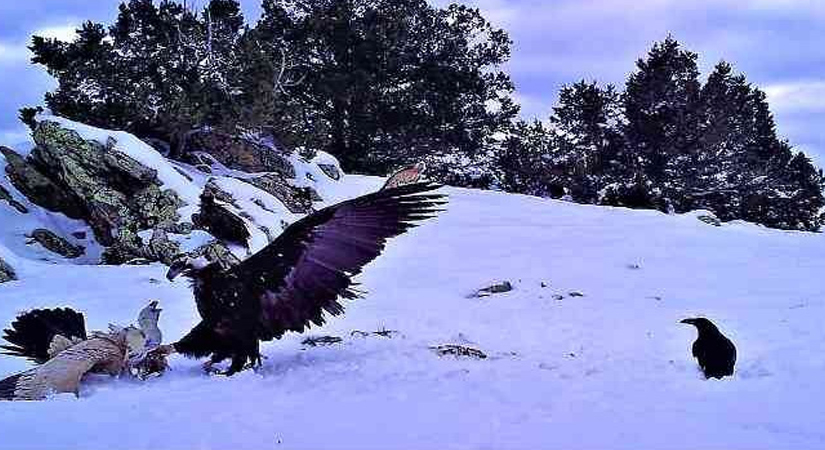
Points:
(687, 321)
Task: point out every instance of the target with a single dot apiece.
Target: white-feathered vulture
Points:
(291, 282)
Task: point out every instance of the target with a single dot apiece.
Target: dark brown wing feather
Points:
(304, 271)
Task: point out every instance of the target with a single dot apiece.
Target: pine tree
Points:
(159, 71)
(394, 81)
(661, 102)
(586, 125)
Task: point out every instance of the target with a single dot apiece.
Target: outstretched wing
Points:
(31, 333)
(304, 271)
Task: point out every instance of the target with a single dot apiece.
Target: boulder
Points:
(218, 217)
(236, 153)
(115, 190)
(710, 219)
(5, 196)
(458, 351)
(215, 192)
(56, 244)
(114, 193)
(296, 200)
(38, 188)
(129, 248)
(6, 272)
(496, 288)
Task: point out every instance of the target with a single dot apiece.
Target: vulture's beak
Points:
(173, 272)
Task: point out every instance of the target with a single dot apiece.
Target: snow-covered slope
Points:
(609, 369)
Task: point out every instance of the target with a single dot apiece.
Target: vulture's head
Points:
(186, 266)
(701, 324)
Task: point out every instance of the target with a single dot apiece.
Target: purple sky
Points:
(778, 44)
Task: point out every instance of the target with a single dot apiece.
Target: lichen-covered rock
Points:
(117, 195)
(56, 244)
(6, 272)
(38, 188)
(297, 200)
(217, 219)
(237, 153)
(115, 190)
(131, 249)
(5, 196)
(214, 192)
(216, 252)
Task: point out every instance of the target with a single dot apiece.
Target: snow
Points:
(610, 369)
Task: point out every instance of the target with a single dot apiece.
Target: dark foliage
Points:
(377, 83)
(670, 143)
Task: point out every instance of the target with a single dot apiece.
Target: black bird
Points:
(31, 334)
(715, 352)
(290, 283)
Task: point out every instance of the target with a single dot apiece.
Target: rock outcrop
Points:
(115, 191)
(236, 153)
(296, 200)
(115, 194)
(39, 188)
(140, 205)
(5, 196)
(6, 272)
(56, 244)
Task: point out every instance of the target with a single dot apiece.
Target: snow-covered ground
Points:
(609, 369)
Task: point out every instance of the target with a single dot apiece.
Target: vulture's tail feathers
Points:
(31, 333)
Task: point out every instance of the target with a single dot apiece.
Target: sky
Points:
(778, 44)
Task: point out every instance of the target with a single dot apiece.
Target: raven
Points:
(290, 283)
(715, 352)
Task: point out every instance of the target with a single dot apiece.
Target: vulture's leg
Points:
(208, 366)
(251, 355)
(238, 364)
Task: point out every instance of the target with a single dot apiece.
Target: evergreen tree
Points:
(586, 124)
(394, 81)
(525, 162)
(661, 107)
(159, 71)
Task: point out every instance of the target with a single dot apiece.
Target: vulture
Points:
(290, 283)
(716, 353)
(57, 341)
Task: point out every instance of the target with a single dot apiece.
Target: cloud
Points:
(16, 51)
(13, 53)
(800, 96)
(62, 32)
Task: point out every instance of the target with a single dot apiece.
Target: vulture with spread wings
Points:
(290, 283)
